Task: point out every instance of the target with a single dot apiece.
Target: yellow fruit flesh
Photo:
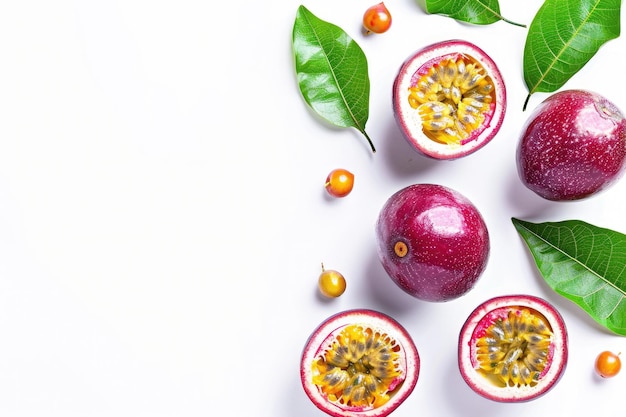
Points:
(452, 99)
(360, 368)
(515, 351)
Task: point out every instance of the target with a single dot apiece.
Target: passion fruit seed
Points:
(608, 364)
(360, 368)
(515, 350)
(452, 98)
(331, 283)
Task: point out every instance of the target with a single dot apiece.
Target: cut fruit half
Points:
(449, 99)
(359, 363)
(513, 348)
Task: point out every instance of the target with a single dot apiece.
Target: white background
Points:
(163, 217)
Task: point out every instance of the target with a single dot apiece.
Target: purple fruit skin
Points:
(572, 146)
(447, 239)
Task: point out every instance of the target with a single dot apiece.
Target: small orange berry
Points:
(377, 19)
(608, 364)
(339, 182)
(331, 283)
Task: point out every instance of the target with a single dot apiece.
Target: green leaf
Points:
(477, 12)
(563, 37)
(332, 72)
(584, 263)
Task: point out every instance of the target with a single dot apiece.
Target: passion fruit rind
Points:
(513, 348)
(359, 362)
(449, 99)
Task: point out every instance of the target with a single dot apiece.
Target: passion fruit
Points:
(359, 363)
(432, 242)
(513, 348)
(572, 146)
(449, 99)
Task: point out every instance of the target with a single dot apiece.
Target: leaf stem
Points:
(526, 102)
(512, 22)
(369, 141)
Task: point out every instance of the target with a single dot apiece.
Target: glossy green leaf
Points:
(477, 12)
(332, 72)
(563, 37)
(584, 263)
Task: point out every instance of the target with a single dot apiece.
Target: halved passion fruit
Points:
(359, 363)
(449, 99)
(513, 348)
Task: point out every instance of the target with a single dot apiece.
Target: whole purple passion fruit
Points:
(572, 146)
(359, 363)
(432, 242)
(449, 99)
(513, 348)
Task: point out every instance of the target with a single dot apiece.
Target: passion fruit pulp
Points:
(449, 99)
(513, 348)
(359, 363)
